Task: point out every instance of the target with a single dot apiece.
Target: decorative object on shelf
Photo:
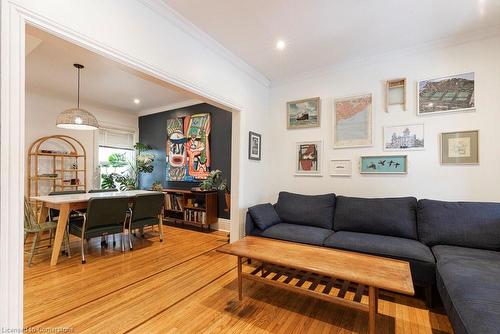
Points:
(51, 165)
(461, 147)
(340, 167)
(384, 164)
(446, 94)
(188, 148)
(128, 180)
(308, 158)
(404, 137)
(396, 94)
(191, 207)
(157, 186)
(352, 121)
(214, 181)
(77, 118)
(304, 113)
(254, 146)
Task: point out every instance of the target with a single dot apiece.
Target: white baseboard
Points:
(223, 225)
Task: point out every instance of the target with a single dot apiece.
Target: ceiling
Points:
(321, 33)
(104, 83)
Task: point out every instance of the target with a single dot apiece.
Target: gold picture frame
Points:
(460, 147)
(305, 113)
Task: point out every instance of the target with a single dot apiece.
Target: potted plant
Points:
(216, 182)
(157, 186)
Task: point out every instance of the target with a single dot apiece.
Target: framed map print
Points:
(352, 121)
(308, 158)
(460, 147)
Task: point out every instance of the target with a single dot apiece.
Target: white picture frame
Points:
(411, 140)
(339, 167)
(337, 111)
(470, 76)
(308, 158)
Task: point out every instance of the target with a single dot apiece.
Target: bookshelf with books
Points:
(190, 207)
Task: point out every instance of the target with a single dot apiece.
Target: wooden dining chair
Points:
(104, 216)
(146, 211)
(31, 226)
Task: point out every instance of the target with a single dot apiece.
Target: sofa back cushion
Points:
(466, 224)
(264, 215)
(317, 210)
(385, 216)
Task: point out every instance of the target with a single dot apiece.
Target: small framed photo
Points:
(303, 113)
(404, 137)
(460, 148)
(254, 146)
(308, 158)
(446, 94)
(340, 167)
(384, 164)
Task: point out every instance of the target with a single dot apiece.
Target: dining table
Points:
(72, 202)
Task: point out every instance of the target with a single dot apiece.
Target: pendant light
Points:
(76, 118)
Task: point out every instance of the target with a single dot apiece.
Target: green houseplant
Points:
(216, 182)
(128, 180)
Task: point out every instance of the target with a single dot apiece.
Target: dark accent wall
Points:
(153, 131)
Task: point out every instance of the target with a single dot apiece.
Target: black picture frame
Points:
(254, 138)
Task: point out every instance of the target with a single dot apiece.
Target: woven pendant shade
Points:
(77, 118)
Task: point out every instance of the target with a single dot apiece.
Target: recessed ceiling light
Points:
(137, 101)
(280, 44)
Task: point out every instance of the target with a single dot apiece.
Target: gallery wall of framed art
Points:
(398, 130)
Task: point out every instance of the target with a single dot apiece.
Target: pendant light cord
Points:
(78, 85)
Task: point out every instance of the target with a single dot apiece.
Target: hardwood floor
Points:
(184, 285)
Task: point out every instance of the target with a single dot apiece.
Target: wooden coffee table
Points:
(332, 275)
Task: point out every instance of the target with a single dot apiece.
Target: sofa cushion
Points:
(264, 215)
(385, 216)
(308, 210)
(298, 233)
(469, 285)
(467, 224)
(419, 256)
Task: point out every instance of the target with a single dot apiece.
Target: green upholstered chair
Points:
(147, 211)
(102, 190)
(31, 226)
(104, 216)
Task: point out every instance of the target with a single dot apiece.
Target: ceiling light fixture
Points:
(76, 118)
(280, 44)
(137, 101)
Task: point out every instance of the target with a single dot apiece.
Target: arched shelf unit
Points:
(56, 163)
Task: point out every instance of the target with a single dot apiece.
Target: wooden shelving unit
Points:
(190, 207)
(65, 169)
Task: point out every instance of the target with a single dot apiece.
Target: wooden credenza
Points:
(190, 207)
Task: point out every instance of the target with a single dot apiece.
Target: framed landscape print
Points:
(303, 113)
(404, 137)
(384, 164)
(254, 145)
(308, 158)
(460, 147)
(352, 121)
(340, 168)
(446, 94)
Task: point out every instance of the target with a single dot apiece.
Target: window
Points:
(115, 152)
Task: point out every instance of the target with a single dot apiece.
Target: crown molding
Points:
(161, 8)
(435, 45)
(173, 106)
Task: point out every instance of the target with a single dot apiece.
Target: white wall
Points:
(426, 177)
(143, 32)
(42, 108)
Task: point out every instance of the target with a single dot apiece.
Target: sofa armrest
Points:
(249, 224)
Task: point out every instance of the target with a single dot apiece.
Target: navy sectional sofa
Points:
(454, 246)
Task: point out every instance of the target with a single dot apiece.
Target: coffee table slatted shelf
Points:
(322, 287)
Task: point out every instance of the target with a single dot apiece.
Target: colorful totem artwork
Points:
(188, 148)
